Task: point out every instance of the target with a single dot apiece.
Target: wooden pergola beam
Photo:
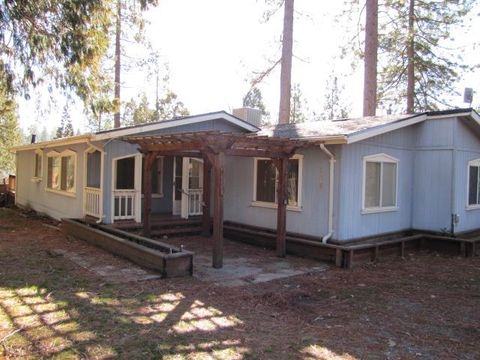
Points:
(147, 192)
(218, 170)
(282, 199)
(206, 196)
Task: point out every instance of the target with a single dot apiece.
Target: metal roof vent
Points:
(252, 116)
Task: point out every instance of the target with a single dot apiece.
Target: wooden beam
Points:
(218, 169)
(147, 192)
(206, 197)
(282, 167)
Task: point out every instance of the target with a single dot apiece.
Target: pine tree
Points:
(334, 107)
(299, 111)
(254, 99)
(9, 129)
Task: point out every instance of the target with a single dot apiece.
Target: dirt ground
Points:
(426, 306)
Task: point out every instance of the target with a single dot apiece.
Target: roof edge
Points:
(77, 139)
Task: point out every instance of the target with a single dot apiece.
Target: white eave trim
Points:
(382, 129)
(54, 143)
(174, 123)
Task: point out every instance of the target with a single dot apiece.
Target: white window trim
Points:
(382, 158)
(34, 177)
(67, 152)
(475, 162)
(160, 194)
(269, 205)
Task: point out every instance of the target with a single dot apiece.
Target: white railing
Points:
(92, 206)
(195, 199)
(124, 204)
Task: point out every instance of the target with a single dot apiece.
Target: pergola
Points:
(212, 146)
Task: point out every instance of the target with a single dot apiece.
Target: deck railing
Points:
(195, 199)
(92, 207)
(124, 204)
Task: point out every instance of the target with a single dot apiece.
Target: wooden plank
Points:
(338, 257)
(218, 168)
(282, 167)
(147, 193)
(206, 197)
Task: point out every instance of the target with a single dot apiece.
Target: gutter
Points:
(330, 193)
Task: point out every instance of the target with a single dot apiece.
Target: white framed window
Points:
(38, 165)
(473, 200)
(157, 176)
(265, 183)
(61, 172)
(380, 179)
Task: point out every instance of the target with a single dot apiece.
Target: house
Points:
(342, 180)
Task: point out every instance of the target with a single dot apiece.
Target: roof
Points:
(346, 128)
(163, 124)
(328, 131)
(357, 129)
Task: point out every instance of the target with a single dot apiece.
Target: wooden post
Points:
(282, 167)
(218, 168)
(206, 197)
(147, 192)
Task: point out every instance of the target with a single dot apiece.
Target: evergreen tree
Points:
(9, 130)
(299, 111)
(334, 107)
(253, 99)
(66, 127)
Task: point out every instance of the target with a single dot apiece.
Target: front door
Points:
(187, 190)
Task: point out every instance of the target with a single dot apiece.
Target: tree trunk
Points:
(410, 59)
(286, 64)
(118, 33)
(371, 49)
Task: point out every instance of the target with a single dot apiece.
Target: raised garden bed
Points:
(168, 260)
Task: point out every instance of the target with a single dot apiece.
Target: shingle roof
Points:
(325, 128)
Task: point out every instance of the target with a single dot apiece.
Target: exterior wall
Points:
(34, 195)
(432, 201)
(353, 223)
(467, 149)
(219, 125)
(311, 219)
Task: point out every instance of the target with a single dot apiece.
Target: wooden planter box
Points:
(169, 261)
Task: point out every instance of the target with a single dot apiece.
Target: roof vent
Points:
(252, 116)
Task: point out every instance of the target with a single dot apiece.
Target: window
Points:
(125, 174)
(61, 171)
(474, 183)
(266, 181)
(157, 176)
(380, 183)
(37, 172)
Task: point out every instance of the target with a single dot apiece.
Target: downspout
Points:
(330, 193)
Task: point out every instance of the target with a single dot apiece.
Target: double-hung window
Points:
(474, 183)
(379, 183)
(37, 171)
(266, 182)
(61, 171)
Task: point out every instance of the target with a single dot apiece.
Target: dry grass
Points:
(423, 307)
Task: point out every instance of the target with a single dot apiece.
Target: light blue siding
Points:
(33, 194)
(468, 149)
(353, 223)
(313, 217)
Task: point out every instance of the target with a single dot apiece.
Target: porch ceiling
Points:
(198, 143)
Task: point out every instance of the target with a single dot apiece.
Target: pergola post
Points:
(282, 167)
(147, 192)
(206, 197)
(218, 170)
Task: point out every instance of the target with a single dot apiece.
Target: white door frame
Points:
(137, 186)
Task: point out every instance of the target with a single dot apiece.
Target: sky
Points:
(213, 47)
